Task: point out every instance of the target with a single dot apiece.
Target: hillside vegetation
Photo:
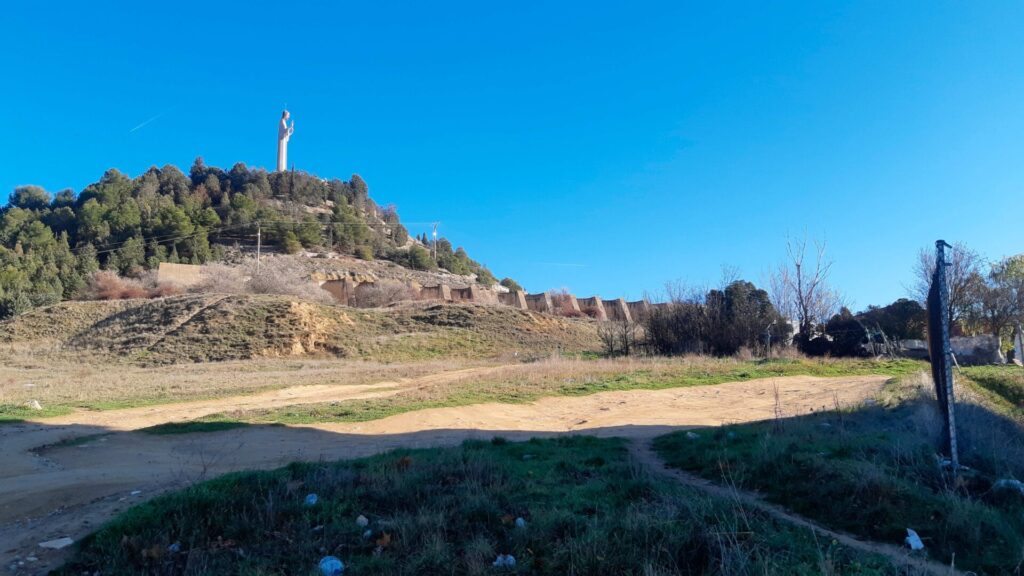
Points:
(51, 244)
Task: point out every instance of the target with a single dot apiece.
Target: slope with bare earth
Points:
(217, 327)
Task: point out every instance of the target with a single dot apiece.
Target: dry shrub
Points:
(381, 293)
(590, 311)
(107, 285)
(222, 279)
(283, 276)
(561, 304)
(744, 354)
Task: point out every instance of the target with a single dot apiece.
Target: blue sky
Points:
(603, 147)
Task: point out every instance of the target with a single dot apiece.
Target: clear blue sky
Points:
(603, 147)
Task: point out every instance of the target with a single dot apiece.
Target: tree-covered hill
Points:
(51, 244)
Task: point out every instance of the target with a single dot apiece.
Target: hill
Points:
(51, 244)
(213, 327)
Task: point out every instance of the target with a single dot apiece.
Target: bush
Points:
(284, 276)
(364, 253)
(107, 285)
(511, 284)
(419, 259)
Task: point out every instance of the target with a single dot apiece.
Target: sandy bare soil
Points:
(50, 491)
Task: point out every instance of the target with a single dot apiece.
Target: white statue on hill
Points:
(284, 132)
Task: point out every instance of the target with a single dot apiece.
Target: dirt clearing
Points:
(67, 490)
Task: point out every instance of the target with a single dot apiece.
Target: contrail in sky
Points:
(148, 121)
(562, 264)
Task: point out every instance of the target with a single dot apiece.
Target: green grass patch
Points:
(452, 511)
(702, 373)
(1007, 381)
(872, 472)
(12, 413)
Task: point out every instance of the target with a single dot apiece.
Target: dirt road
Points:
(68, 490)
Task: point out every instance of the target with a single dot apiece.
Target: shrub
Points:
(511, 284)
(107, 285)
(364, 253)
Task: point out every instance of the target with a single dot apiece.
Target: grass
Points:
(14, 413)
(873, 472)
(588, 510)
(64, 386)
(563, 377)
(1007, 381)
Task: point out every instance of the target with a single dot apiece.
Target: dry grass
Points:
(105, 386)
(558, 376)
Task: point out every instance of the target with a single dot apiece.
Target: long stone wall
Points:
(347, 289)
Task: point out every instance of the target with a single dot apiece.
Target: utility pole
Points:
(258, 246)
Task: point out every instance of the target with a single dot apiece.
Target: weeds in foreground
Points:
(587, 510)
(873, 472)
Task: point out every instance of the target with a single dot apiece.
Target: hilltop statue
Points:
(284, 132)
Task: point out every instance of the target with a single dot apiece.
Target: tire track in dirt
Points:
(76, 487)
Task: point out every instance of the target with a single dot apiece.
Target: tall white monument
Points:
(284, 132)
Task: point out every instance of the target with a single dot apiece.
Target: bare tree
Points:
(800, 286)
(962, 275)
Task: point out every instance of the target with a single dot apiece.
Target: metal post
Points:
(258, 246)
(947, 350)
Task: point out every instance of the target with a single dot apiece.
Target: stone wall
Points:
(539, 302)
(639, 310)
(617, 311)
(348, 289)
(439, 292)
(593, 307)
(514, 298)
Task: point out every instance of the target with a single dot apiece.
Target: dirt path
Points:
(644, 455)
(69, 490)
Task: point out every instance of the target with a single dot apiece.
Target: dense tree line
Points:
(719, 322)
(51, 243)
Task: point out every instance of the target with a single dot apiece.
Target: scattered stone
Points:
(331, 566)
(362, 521)
(57, 544)
(505, 561)
(135, 492)
(311, 499)
(692, 435)
(35, 405)
(1009, 484)
(913, 540)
